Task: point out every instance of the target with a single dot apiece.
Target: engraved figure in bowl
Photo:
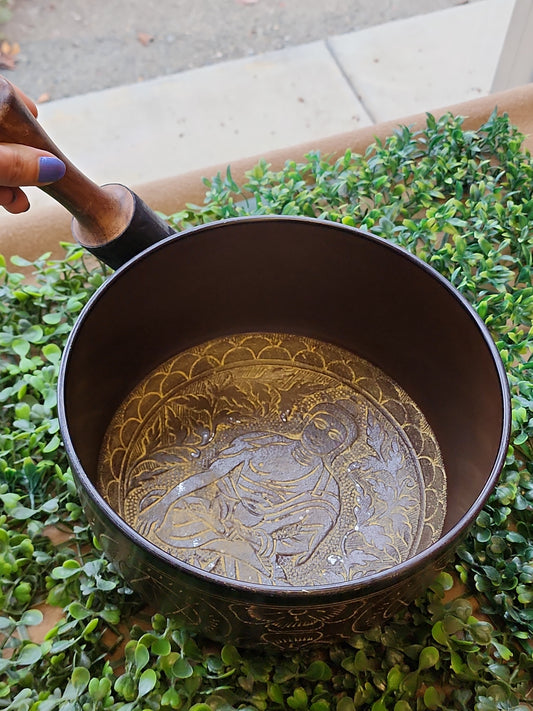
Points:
(265, 497)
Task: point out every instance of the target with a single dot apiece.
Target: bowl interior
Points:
(307, 278)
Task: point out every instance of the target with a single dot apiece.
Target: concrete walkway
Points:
(220, 113)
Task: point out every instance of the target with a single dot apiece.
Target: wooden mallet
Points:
(110, 221)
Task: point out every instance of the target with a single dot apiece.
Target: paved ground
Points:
(71, 47)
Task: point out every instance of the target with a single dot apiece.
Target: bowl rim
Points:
(374, 581)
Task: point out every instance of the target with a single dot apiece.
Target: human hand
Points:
(23, 165)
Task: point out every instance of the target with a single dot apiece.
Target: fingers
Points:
(22, 165)
(14, 200)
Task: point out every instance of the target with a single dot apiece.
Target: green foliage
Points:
(5, 10)
(459, 199)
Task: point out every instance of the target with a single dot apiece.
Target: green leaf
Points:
(10, 500)
(439, 633)
(125, 686)
(69, 569)
(147, 639)
(22, 512)
(52, 319)
(80, 678)
(99, 688)
(20, 261)
(142, 656)
(445, 580)
(394, 678)
(79, 611)
(21, 347)
(275, 693)
(52, 353)
(482, 632)
(6, 622)
(298, 700)
(33, 334)
(345, 704)
(90, 628)
(111, 615)
(432, 698)
(456, 662)
(182, 669)
(51, 505)
(31, 618)
(429, 657)
(147, 682)
(29, 654)
(161, 646)
(503, 651)
(320, 705)
(318, 671)
(230, 656)
(402, 706)
(52, 445)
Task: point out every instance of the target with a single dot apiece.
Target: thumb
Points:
(23, 165)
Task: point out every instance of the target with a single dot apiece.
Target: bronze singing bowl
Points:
(318, 283)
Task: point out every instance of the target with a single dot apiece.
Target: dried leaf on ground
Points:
(144, 38)
(8, 53)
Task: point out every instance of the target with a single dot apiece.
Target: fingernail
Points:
(50, 169)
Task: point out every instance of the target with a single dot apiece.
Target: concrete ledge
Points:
(419, 63)
(141, 132)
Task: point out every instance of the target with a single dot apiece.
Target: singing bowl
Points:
(312, 279)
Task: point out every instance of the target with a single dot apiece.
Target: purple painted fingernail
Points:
(50, 169)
